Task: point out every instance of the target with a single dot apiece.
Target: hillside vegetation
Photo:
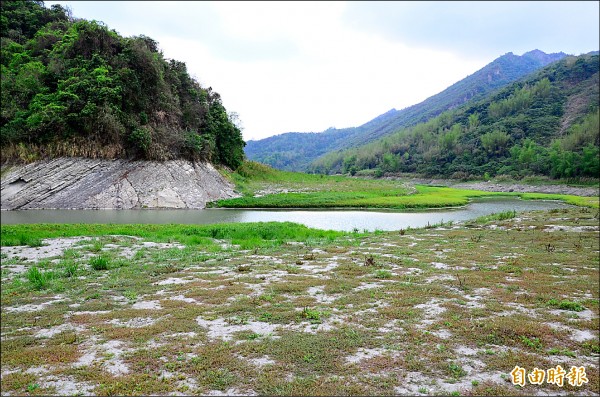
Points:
(72, 87)
(295, 151)
(546, 124)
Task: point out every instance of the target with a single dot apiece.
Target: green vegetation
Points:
(173, 301)
(264, 187)
(296, 151)
(246, 235)
(99, 263)
(546, 124)
(566, 305)
(72, 87)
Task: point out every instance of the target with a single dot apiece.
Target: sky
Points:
(308, 66)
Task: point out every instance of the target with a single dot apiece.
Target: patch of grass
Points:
(99, 263)
(382, 273)
(318, 191)
(566, 305)
(499, 216)
(456, 371)
(70, 268)
(312, 315)
(561, 352)
(39, 279)
(246, 235)
(532, 343)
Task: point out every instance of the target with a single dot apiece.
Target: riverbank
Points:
(491, 186)
(265, 187)
(247, 310)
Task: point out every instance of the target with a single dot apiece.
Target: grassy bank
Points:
(179, 309)
(242, 235)
(264, 187)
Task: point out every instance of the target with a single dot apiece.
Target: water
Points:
(322, 219)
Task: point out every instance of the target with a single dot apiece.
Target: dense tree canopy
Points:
(76, 87)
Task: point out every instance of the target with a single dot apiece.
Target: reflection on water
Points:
(321, 219)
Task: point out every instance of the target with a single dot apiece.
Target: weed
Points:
(32, 387)
(533, 343)
(563, 352)
(461, 282)
(70, 268)
(218, 379)
(99, 263)
(476, 239)
(456, 370)
(423, 390)
(475, 383)
(314, 316)
(39, 280)
(382, 273)
(96, 246)
(130, 295)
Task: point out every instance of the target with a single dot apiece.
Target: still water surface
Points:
(322, 219)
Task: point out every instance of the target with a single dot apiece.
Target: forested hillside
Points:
(295, 151)
(544, 124)
(72, 87)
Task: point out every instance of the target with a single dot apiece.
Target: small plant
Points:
(70, 269)
(32, 387)
(533, 343)
(423, 390)
(292, 269)
(96, 246)
(130, 295)
(477, 238)
(456, 370)
(462, 284)
(475, 383)
(314, 316)
(39, 279)
(308, 358)
(99, 263)
(382, 273)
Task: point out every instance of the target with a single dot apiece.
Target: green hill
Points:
(72, 87)
(295, 151)
(545, 124)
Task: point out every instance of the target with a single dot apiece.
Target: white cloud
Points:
(300, 66)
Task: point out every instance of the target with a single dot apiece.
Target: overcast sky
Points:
(307, 66)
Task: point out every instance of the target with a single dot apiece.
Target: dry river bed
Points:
(439, 311)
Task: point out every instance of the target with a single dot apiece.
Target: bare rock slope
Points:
(77, 183)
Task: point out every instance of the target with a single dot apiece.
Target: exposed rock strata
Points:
(77, 183)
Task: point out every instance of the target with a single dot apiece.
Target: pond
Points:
(345, 220)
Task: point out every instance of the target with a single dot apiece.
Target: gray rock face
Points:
(78, 183)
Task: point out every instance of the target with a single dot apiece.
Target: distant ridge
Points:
(294, 151)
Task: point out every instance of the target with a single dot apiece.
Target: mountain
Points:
(294, 151)
(72, 87)
(546, 123)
